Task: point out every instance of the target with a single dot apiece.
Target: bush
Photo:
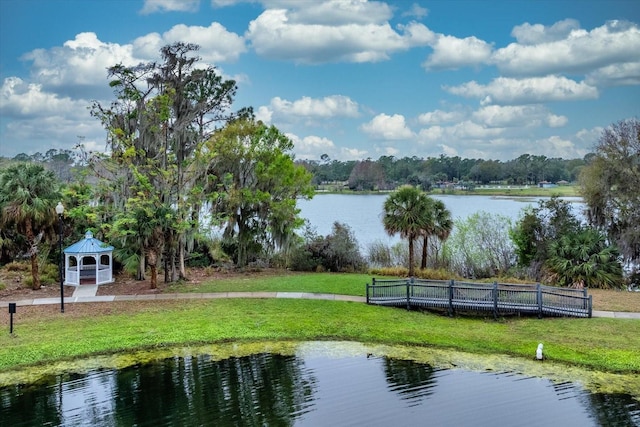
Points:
(14, 266)
(480, 246)
(49, 274)
(379, 254)
(337, 252)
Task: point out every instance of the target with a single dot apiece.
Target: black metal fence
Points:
(498, 298)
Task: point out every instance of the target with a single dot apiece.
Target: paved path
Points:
(87, 293)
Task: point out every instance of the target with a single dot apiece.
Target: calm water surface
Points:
(363, 213)
(307, 389)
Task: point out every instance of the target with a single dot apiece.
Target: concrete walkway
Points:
(87, 293)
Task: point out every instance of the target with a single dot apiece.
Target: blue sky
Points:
(353, 79)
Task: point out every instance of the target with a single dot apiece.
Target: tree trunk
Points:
(34, 272)
(152, 259)
(182, 272)
(425, 242)
(33, 255)
(411, 256)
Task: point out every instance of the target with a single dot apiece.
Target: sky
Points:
(352, 79)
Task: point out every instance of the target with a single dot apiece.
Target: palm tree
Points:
(28, 194)
(404, 213)
(439, 224)
(584, 259)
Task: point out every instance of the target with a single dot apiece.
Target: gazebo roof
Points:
(88, 245)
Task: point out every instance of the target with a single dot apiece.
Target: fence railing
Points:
(498, 298)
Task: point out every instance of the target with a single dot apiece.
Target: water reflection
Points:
(311, 389)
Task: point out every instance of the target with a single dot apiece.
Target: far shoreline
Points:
(501, 191)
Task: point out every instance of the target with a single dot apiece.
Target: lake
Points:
(319, 384)
(363, 212)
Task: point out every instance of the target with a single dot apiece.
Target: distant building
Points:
(546, 184)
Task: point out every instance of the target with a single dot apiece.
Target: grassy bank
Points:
(503, 190)
(506, 191)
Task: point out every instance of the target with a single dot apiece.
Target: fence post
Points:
(539, 299)
(451, 282)
(409, 289)
(368, 292)
(495, 300)
(590, 305)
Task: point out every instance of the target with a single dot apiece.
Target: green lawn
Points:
(330, 283)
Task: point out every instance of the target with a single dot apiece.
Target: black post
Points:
(61, 264)
(12, 309)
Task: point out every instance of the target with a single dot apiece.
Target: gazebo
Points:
(88, 262)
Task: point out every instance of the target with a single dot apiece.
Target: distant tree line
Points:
(389, 172)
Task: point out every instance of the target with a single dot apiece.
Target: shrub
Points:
(337, 252)
(480, 246)
(14, 266)
(379, 254)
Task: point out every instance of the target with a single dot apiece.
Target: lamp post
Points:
(60, 211)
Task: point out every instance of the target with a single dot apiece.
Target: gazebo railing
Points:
(71, 276)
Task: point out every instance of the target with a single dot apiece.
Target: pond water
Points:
(311, 387)
(363, 212)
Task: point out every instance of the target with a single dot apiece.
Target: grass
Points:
(329, 283)
(354, 284)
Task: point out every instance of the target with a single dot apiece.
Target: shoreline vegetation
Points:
(493, 190)
(44, 337)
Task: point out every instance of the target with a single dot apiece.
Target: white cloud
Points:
(274, 35)
(555, 121)
(448, 150)
(505, 90)
(388, 127)
(556, 146)
(388, 151)
(216, 43)
(417, 11)
(82, 62)
(28, 100)
(329, 106)
(313, 147)
(42, 119)
(451, 53)
(339, 12)
(439, 116)
(152, 6)
(527, 34)
(264, 114)
(589, 137)
(471, 130)
(616, 75)
(346, 153)
(431, 134)
(517, 116)
(579, 51)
